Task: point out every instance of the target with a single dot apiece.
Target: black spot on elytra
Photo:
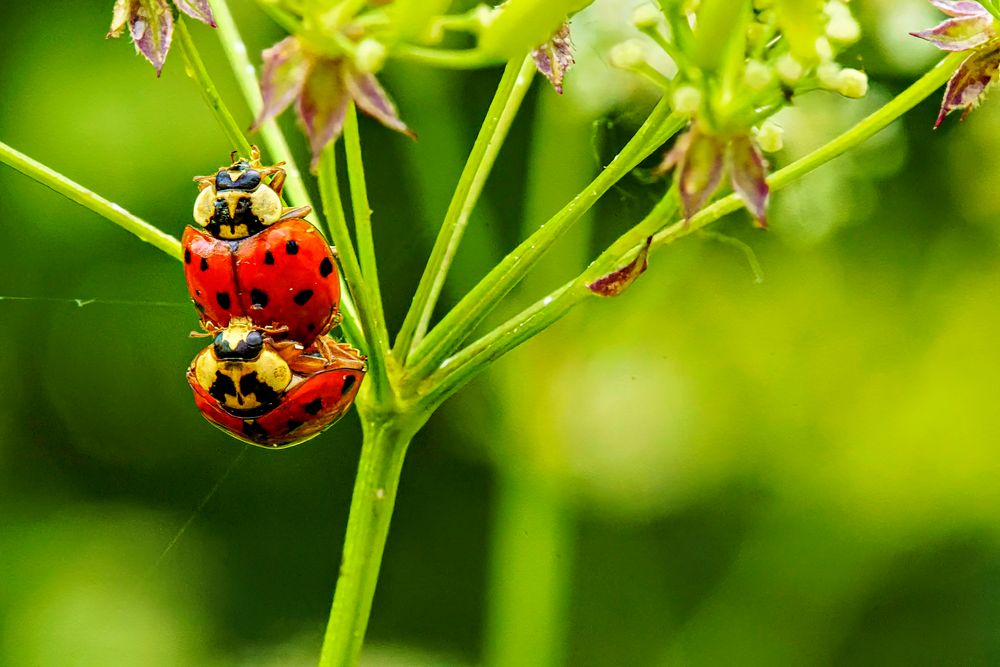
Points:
(268, 257)
(222, 386)
(293, 424)
(291, 247)
(258, 298)
(254, 431)
(311, 327)
(348, 383)
(325, 267)
(204, 264)
(187, 255)
(302, 298)
(251, 384)
(201, 308)
(223, 299)
(197, 292)
(313, 407)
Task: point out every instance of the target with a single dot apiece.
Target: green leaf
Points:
(801, 23)
(521, 25)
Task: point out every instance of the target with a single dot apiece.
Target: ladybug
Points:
(256, 259)
(273, 393)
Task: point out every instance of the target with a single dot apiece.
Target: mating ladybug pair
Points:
(266, 286)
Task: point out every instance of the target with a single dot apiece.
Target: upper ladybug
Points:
(253, 258)
(236, 202)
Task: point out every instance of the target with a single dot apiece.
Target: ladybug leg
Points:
(295, 356)
(340, 355)
(299, 212)
(211, 328)
(278, 182)
(204, 182)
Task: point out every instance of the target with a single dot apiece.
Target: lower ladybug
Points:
(270, 393)
(252, 257)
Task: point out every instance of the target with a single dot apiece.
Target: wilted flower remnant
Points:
(738, 63)
(322, 85)
(151, 24)
(971, 27)
(554, 57)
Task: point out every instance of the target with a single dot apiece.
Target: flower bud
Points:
(646, 17)
(852, 83)
(823, 49)
(687, 100)
(789, 69)
(369, 55)
(829, 75)
(842, 26)
(628, 54)
(758, 75)
(770, 137)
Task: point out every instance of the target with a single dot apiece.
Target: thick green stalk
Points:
(96, 203)
(455, 371)
(196, 68)
(457, 325)
(510, 93)
(381, 463)
(530, 569)
(378, 337)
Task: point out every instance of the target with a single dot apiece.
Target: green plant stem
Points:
(378, 337)
(274, 140)
(514, 83)
(455, 371)
(457, 325)
(196, 68)
(444, 58)
(329, 190)
(530, 570)
(381, 463)
(81, 195)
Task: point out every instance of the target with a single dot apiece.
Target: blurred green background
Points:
(708, 470)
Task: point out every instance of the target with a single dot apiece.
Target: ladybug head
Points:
(236, 203)
(241, 370)
(240, 176)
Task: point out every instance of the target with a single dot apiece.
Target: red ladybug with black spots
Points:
(257, 259)
(273, 393)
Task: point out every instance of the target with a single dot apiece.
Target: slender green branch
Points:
(375, 488)
(274, 140)
(457, 325)
(378, 337)
(510, 93)
(333, 207)
(246, 77)
(455, 371)
(81, 195)
(444, 58)
(196, 68)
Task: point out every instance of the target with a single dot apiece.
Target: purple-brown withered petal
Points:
(959, 34)
(555, 56)
(151, 25)
(197, 9)
(960, 7)
(748, 173)
(373, 100)
(970, 82)
(616, 282)
(282, 77)
(322, 105)
(699, 171)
